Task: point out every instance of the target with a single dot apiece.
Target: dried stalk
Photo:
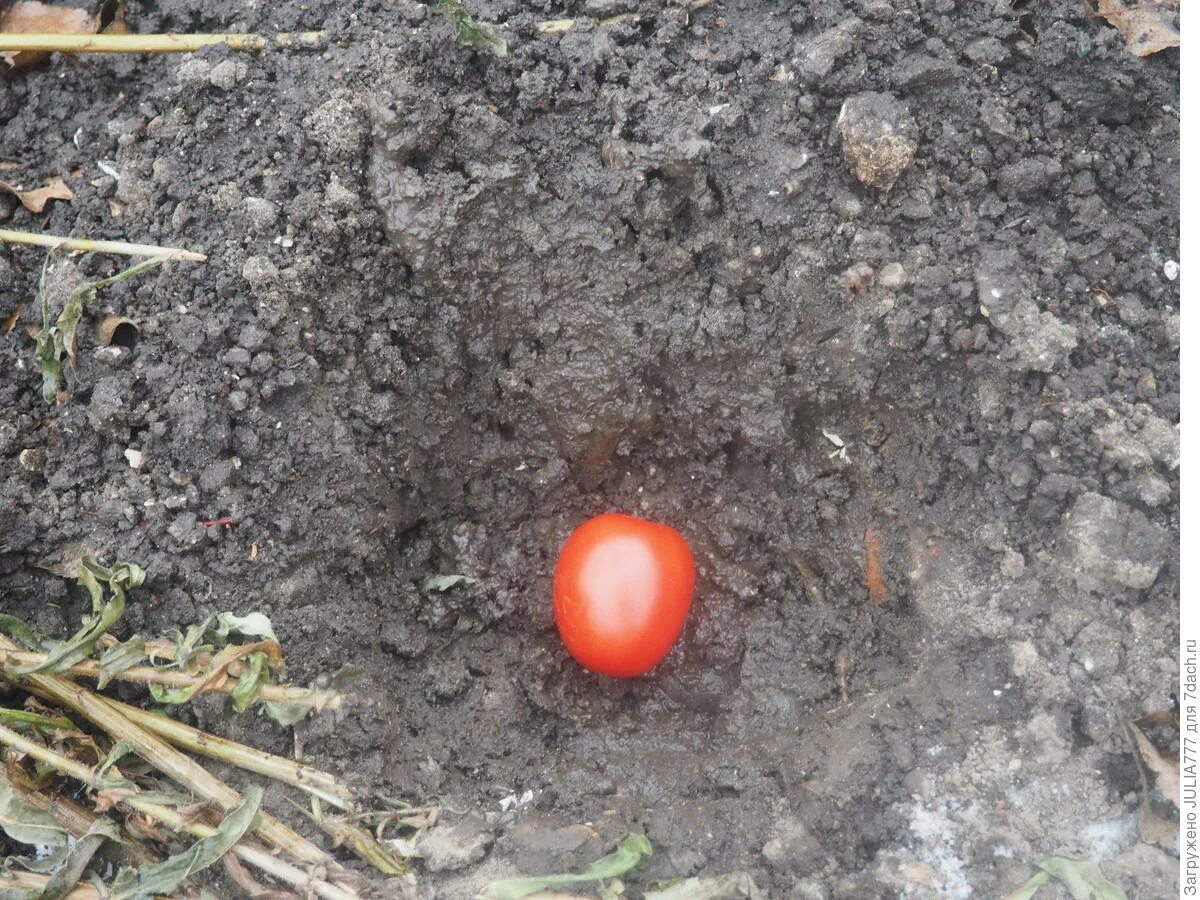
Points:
(275, 693)
(314, 781)
(260, 859)
(33, 884)
(154, 43)
(73, 817)
(179, 768)
(121, 248)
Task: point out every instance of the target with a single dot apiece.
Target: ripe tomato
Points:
(622, 590)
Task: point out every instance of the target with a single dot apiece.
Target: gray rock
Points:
(879, 138)
(792, 847)
(893, 277)
(32, 460)
(261, 214)
(227, 73)
(8, 437)
(215, 475)
(816, 57)
(258, 270)
(185, 529)
(924, 71)
(448, 848)
(251, 337)
(1027, 178)
(986, 51)
(192, 71)
(1109, 545)
(107, 412)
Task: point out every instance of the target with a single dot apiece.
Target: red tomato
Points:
(622, 591)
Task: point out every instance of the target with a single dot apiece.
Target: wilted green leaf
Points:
(20, 632)
(469, 32)
(627, 855)
(27, 824)
(119, 657)
(188, 646)
(441, 583)
(121, 749)
(64, 654)
(166, 876)
(45, 724)
(286, 714)
(54, 342)
(251, 682)
(1082, 878)
(253, 625)
(80, 853)
(737, 886)
(1030, 887)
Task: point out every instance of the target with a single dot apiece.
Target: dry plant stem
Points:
(69, 814)
(260, 859)
(316, 782)
(121, 248)
(35, 884)
(90, 668)
(154, 43)
(179, 768)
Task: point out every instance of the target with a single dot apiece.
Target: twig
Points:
(169, 761)
(90, 668)
(119, 247)
(272, 865)
(153, 43)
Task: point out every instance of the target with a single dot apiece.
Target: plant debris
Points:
(1081, 878)
(876, 584)
(1158, 816)
(469, 32)
(33, 811)
(1149, 27)
(35, 200)
(54, 342)
(627, 856)
(32, 17)
(737, 886)
(441, 583)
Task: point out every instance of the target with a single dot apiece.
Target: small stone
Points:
(227, 73)
(879, 138)
(135, 458)
(193, 70)
(1170, 270)
(1012, 564)
(1110, 545)
(215, 476)
(251, 337)
(893, 277)
(107, 412)
(32, 460)
(186, 530)
(449, 848)
(238, 400)
(260, 214)
(8, 436)
(986, 51)
(258, 270)
(238, 357)
(817, 57)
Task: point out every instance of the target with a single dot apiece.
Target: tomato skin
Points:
(622, 590)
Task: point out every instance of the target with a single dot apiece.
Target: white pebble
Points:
(1170, 270)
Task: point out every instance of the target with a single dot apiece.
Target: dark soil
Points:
(454, 304)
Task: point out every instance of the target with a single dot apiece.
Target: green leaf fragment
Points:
(469, 32)
(80, 853)
(119, 657)
(64, 654)
(253, 625)
(251, 682)
(1082, 878)
(27, 824)
(46, 724)
(628, 855)
(55, 342)
(20, 632)
(441, 583)
(164, 877)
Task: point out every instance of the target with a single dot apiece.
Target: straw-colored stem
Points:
(121, 248)
(175, 765)
(90, 668)
(35, 884)
(255, 857)
(153, 43)
(318, 783)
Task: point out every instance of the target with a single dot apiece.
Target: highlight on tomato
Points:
(622, 591)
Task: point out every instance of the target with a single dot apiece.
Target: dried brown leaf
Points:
(10, 321)
(1158, 817)
(1149, 26)
(30, 16)
(876, 583)
(106, 330)
(35, 200)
